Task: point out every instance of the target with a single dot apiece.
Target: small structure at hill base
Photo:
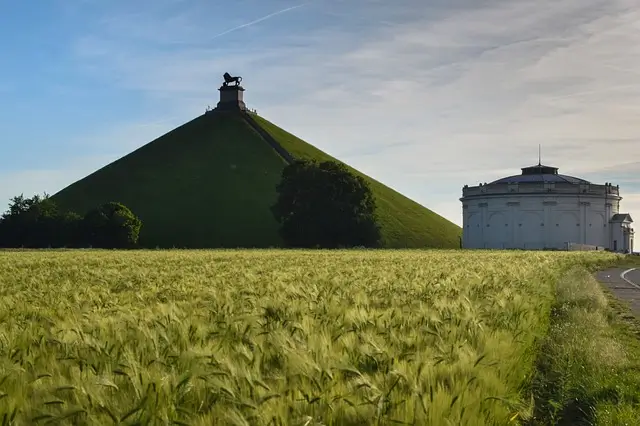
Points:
(231, 97)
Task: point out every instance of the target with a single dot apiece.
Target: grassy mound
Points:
(404, 222)
(208, 183)
(211, 182)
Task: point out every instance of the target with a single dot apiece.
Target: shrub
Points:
(111, 225)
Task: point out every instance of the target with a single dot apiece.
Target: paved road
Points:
(624, 284)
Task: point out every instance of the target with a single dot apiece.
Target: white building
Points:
(541, 209)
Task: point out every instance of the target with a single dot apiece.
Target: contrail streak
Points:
(264, 18)
(594, 92)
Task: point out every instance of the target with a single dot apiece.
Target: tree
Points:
(111, 225)
(70, 230)
(32, 222)
(37, 222)
(325, 205)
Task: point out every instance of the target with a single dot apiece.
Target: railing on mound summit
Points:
(209, 109)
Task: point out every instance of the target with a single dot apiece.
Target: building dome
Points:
(542, 209)
(540, 173)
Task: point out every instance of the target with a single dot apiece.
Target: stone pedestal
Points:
(231, 97)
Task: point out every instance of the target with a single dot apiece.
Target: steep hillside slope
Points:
(211, 182)
(208, 183)
(405, 223)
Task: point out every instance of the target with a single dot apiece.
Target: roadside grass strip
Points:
(589, 364)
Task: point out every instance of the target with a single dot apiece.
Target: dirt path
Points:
(624, 284)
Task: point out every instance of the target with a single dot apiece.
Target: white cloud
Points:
(424, 104)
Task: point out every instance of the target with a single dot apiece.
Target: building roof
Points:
(621, 217)
(540, 173)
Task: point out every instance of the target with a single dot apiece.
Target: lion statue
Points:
(229, 79)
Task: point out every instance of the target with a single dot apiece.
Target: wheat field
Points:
(273, 337)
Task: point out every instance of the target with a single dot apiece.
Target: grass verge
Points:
(588, 370)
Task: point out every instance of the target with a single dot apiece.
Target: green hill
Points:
(211, 181)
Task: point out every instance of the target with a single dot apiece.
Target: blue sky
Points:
(426, 96)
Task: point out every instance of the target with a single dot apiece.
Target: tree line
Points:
(37, 222)
(319, 205)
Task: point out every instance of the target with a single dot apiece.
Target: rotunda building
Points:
(542, 209)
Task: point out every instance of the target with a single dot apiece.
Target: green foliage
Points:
(37, 222)
(111, 225)
(233, 337)
(403, 222)
(325, 205)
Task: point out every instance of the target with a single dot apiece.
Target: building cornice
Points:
(540, 195)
